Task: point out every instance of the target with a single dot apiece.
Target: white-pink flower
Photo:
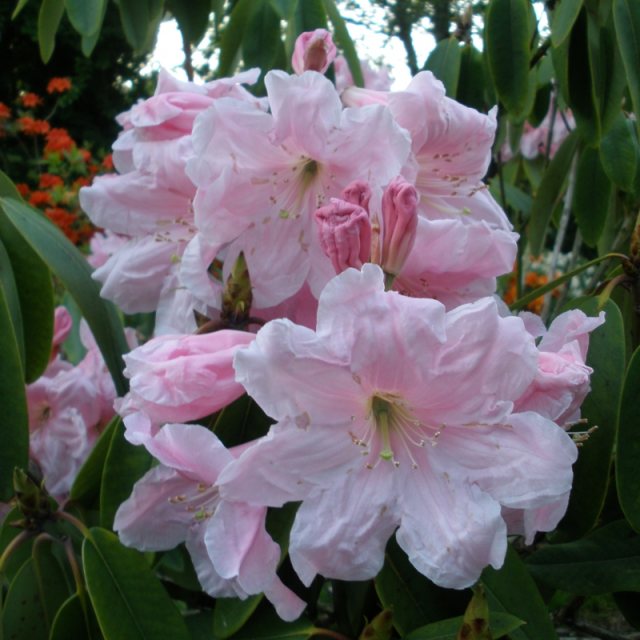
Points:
(179, 501)
(396, 416)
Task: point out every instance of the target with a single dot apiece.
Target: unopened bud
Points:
(313, 51)
(345, 234)
(237, 296)
(358, 192)
(400, 223)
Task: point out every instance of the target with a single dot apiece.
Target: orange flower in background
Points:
(58, 140)
(107, 162)
(33, 127)
(23, 189)
(5, 112)
(85, 154)
(82, 181)
(39, 198)
(30, 100)
(58, 85)
(64, 221)
(48, 180)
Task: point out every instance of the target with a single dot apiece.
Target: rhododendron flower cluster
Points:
(334, 256)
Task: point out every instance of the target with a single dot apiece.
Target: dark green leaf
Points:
(267, 626)
(12, 298)
(23, 615)
(444, 61)
(344, 41)
(618, 153)
(51, 582)
(192, 18)
(70, 622)
(89, 43)
(591, 472)
(35, 291)
(86, 486)
(14, 433)
(507, 36)
(48, 20)
(626, 16)
(200, 625)
(241, 421)
(511, 590)
(414, 599)
(564, 16)
(20, 5)
(85, 15)
(231, 614)
(262, 37)
(604, 561)
(471, 84)
(129, 601)
(71, 267)
(20, 554)
(591, 196)
(233, 36)
(629, 604)
(628, 444)
(124, 465)
(140, 20)
(550, 192)
(499, 623)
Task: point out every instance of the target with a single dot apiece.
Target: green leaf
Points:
(500, 624)
(471, 84)
(14, 434)
(23, 615)
(550, 192)
(18, 556)
(512, 590)
(124, 465)
(129, 601)
(88, 43)
(51, 582)
(20, 5)
(618, 153)
(8, 286)
(233, 35)
(48, 20)
(192, 18)
(628, 444)
(86, 486)
(591, 472)
(414, 599)
(626, 17)
(70, 622)
(85, 15)
(262, 38)
(71, 267)
(344, 41)
(231, 614)
(267, 626)
(507, 36)
(200, 624)
(140, 20)
(564, 17)
(241, 421)
(35, 291)
(445, 61)
(591, 196)
(606, 560)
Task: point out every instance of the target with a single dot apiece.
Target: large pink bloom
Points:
(394, 414)
(180, 378)
(261, 176)
(178, 501)
(464, 240)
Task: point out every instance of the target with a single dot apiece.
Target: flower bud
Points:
(400, 222)
(313, 51)
(358, 192)
(345, 234)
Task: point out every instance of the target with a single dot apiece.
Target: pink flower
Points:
(313, 51)
(400, 218)
(562, 379)
(395, 415)
(180, 378)
(345, 234)
(62, 325)
(262, 176)
(378, 79)
(178, 501)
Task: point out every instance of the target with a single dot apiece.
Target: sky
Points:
(374, 46)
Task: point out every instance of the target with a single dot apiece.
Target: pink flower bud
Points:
(358, 192)
(62, 324)
(400, 218)
(345, 234)
(314, 51)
